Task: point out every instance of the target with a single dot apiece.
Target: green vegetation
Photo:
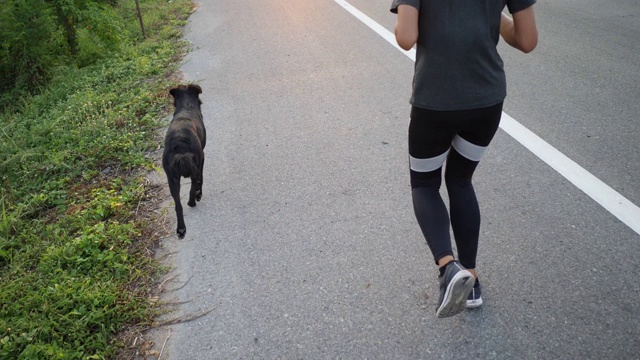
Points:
(77, 120)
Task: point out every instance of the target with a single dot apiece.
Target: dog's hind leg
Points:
(201, 170)
(174, 188)
(193, 193)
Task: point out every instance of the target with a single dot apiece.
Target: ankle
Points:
(473, 272)
(443, 262)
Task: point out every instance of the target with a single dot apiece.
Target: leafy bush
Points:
(74, 265)
(39, 36)
(30, 44)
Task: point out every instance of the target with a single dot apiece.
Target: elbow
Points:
(406, 45)
(529, 45)
(527, 50)
(406, 40)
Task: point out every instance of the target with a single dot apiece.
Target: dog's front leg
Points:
(174, 188)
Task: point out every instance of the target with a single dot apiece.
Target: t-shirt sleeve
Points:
(414, 3)
(516, 5)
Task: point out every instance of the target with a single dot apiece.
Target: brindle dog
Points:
(184, 148)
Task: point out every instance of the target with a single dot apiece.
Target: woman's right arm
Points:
(521, 31)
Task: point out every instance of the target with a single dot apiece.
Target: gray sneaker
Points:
(475, 296)
(455, 286)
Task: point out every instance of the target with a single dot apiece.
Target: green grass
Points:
(75, 265)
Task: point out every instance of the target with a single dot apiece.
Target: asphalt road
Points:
(305, 245)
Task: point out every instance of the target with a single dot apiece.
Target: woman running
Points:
(458, 89)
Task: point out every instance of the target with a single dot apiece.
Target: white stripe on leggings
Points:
(426, 165)
(471, 151)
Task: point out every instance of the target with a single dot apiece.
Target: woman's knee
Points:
(459, 170)
(432, 179)
(456, 181)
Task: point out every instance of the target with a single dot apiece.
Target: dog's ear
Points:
(173, 92)
(196, 88)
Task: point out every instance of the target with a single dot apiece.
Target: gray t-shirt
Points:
(457, 64)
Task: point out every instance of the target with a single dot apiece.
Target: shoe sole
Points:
(455, 297)
(472, 304)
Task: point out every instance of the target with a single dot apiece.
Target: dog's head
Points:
(186, 95)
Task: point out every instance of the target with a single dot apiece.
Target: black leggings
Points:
(460, 137)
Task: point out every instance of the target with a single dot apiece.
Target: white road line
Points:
(608, 198)
(603, 194)
(379, 29)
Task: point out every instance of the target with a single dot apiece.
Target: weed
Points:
(75, 268)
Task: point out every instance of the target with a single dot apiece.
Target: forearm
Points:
(520, 31)
(507, 30)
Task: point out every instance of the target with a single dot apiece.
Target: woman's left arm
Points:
(406, 29)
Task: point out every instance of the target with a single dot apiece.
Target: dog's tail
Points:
(184, 164)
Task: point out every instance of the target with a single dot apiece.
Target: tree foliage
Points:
(38, 36)
(30, 43)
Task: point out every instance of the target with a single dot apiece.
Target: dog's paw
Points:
(199, 195)
(182, 233)
(192, 202)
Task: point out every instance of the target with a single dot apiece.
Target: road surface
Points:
(305, 245)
